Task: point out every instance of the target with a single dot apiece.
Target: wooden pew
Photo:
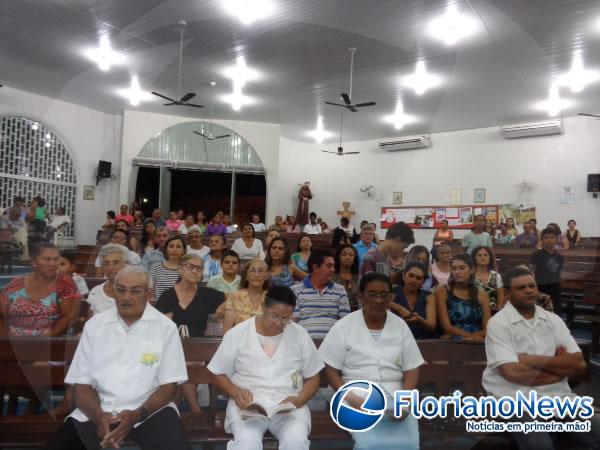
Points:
(23, 365)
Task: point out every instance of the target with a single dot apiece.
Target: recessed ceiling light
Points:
(452, 26)
(47, 144)
(399, 119)
(240, 73)
(35, 126)
(237, 99)
(421, 80)
(249, 11)
(134, 93)
(48, 136)
(554, 104)
(104, 55)
(578, 77)
(319, 133)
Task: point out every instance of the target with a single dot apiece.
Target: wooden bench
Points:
(24, 366)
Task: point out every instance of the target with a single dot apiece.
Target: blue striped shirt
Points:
(318, 311)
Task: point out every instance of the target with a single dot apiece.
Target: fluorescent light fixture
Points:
(241, 74)
(104, 55)
(134, 93)
(319, 133)
(237, 99)
(249, 11)
(421, 81)
(452, 26)
(578, 77)
(399, 119)
(554, 104)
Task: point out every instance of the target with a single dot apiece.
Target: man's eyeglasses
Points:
(380, 295)
(275, 318)
(133, 291)
(192, 267)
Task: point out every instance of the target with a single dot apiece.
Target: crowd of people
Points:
(363, 297)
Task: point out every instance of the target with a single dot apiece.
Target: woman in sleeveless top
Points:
(486, 276)
(572, 235)
(283, 270)
(462, 310)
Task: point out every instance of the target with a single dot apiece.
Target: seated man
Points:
(268, 360)
(125, 371)
(529, 348)
(376, 345)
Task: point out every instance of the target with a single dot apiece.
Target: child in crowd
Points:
(67, 265)
(547, 265)
(229, 280)
(110, 220)
(173, 223)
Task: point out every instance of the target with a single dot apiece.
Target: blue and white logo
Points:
(353, 419)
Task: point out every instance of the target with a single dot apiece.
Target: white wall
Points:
(140, 127)
(90, 136)
(462, 159)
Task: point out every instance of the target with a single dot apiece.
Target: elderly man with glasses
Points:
(269, 367)
(126, 369)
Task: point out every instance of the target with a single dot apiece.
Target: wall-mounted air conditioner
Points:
(407, 143)
(521, 130)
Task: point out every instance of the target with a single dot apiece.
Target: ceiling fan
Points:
(589, 115)
(211, 136)
(340, 150)
(182, 100)
(347, 98)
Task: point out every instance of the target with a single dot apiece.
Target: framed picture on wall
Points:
(88, 192)
(397, 198)
(479, 195)
(455, 196)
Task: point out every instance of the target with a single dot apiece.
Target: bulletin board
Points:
(429, 217)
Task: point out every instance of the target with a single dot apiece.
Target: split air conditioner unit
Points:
(532, 129)
(407, 143)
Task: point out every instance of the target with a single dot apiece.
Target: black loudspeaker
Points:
(593, 182)
(103, 170)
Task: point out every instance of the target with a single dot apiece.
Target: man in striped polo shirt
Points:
(320, 301)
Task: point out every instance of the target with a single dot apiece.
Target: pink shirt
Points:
(126, 217)
(173, 225)
(440, 277)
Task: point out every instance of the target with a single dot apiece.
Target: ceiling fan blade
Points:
(351, 153)
(163, 96)
(169, 104)
(222, 136)
(361, 105)
(327, 151)
(201, 134)
(193, 105)
(335, 104)
(588, 115)
(187, 97)
(346, 99)
(351, 108)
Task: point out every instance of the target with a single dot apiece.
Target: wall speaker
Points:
(104, 168)
(593, 184)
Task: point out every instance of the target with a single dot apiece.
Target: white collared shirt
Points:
(509, 334)
(126, 365)
(309, 228)
(98, 299)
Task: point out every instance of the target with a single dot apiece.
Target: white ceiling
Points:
(492, 78)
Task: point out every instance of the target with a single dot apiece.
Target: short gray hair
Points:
(114, 248)
(195, 228)
(135, 269)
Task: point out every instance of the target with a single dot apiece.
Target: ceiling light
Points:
(237, 99)
(319, 133)
(104, 55)
(399, 118)
(48, 136)
(134, 93)
(248, 11)
(421, 81)
(554, 104)
(452, 26)
(578, 77)
(241, 74)
(47, 144)
(35, 126)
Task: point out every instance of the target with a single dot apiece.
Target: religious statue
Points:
(304, 195)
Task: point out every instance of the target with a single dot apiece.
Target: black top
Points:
(194, 317)
(547, 267)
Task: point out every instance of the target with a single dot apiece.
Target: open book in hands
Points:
(262, 407)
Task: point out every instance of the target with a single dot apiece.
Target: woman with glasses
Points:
(165, 274)
(283, 271)
(189, 306)
(414, 304)
(374, 344)
(248, 301)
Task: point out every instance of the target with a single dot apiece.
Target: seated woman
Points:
(195, 245)
(173, 223)
(373, 344)
(419, 253)
(229, 280)
(440, 270)
(510, 227)
(40, 303)
(503, 237)
(247, 247)
(346, 272)
(201, 221)
(147, 240)
(462, 310)
(415, 305)
(486, 276)
(247, 302)
(283, 270)
(443, 235)
(186, 225)
(300, 258)
(573, 235)
(212, 261)
(271, 234)
(113, 257)
(165, 274)
(291, 225)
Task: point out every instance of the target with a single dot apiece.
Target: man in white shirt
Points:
(126, 369)
(113, 257)
(376, 345)
(529, 348)
(269, 360)
(313, 227)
